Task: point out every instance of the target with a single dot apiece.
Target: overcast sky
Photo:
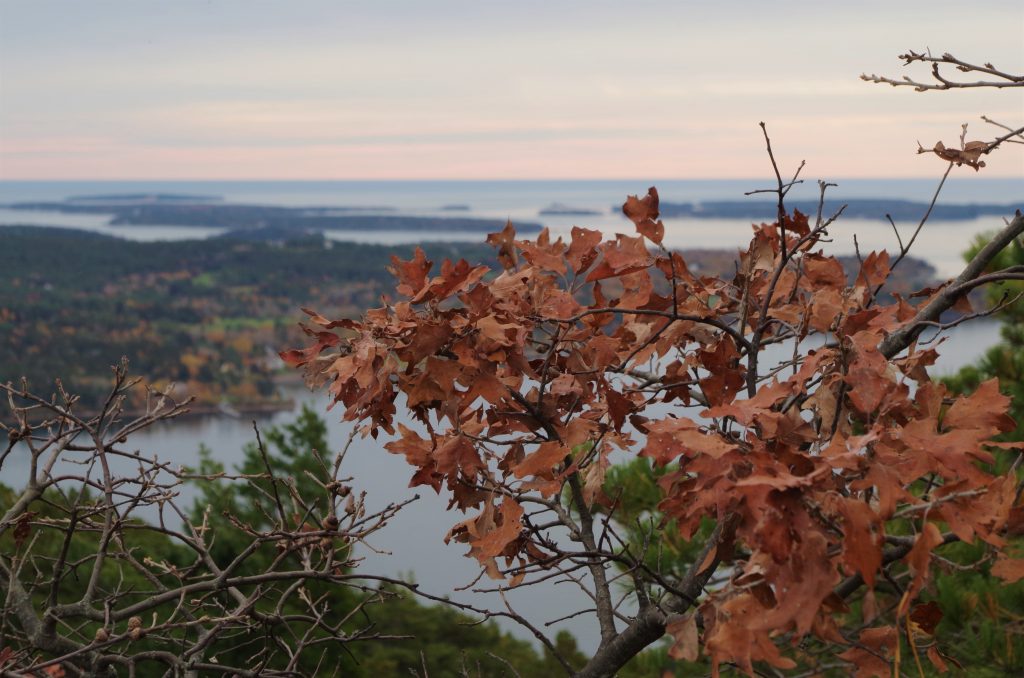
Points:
(446, 89)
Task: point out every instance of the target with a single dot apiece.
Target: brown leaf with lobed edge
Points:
(1009, 569)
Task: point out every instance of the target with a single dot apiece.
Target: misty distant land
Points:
(167, 209)
(857, 208)
(142, 199)
(558, 209)
(172, 209)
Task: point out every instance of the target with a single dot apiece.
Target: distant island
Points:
(859, 208)
(455, 208)
(143, 199)
(351, 209)
(558, 209)
(178, 210)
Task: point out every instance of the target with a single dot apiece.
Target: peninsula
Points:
(207, 211)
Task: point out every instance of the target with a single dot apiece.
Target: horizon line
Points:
(970, 177)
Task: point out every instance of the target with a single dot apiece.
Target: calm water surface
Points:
(501, 195)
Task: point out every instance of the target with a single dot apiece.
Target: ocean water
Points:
(507, 196)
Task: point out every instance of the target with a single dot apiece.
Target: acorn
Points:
(135, 628)
(338, 488)
(102, 635)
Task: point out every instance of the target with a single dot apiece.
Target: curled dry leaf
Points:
(644, 213)
(23, 528)
(969, 155)
(1009, 569)
(687, 642)
(871, 657)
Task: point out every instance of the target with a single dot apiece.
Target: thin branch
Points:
(997, 78)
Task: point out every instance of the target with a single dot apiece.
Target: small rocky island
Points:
(558, 209)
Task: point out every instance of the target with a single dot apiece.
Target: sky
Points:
(445, 89)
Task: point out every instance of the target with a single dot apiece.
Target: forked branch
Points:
(991, 76)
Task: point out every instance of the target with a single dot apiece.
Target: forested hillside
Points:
(205, 314)
(209, 315)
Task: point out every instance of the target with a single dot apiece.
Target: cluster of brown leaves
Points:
(969, 153)
(527, 379)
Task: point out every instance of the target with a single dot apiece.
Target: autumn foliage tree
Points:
(814, 491)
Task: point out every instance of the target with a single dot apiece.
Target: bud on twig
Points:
(135, 628)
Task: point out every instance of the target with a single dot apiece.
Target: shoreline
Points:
(207, 410)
